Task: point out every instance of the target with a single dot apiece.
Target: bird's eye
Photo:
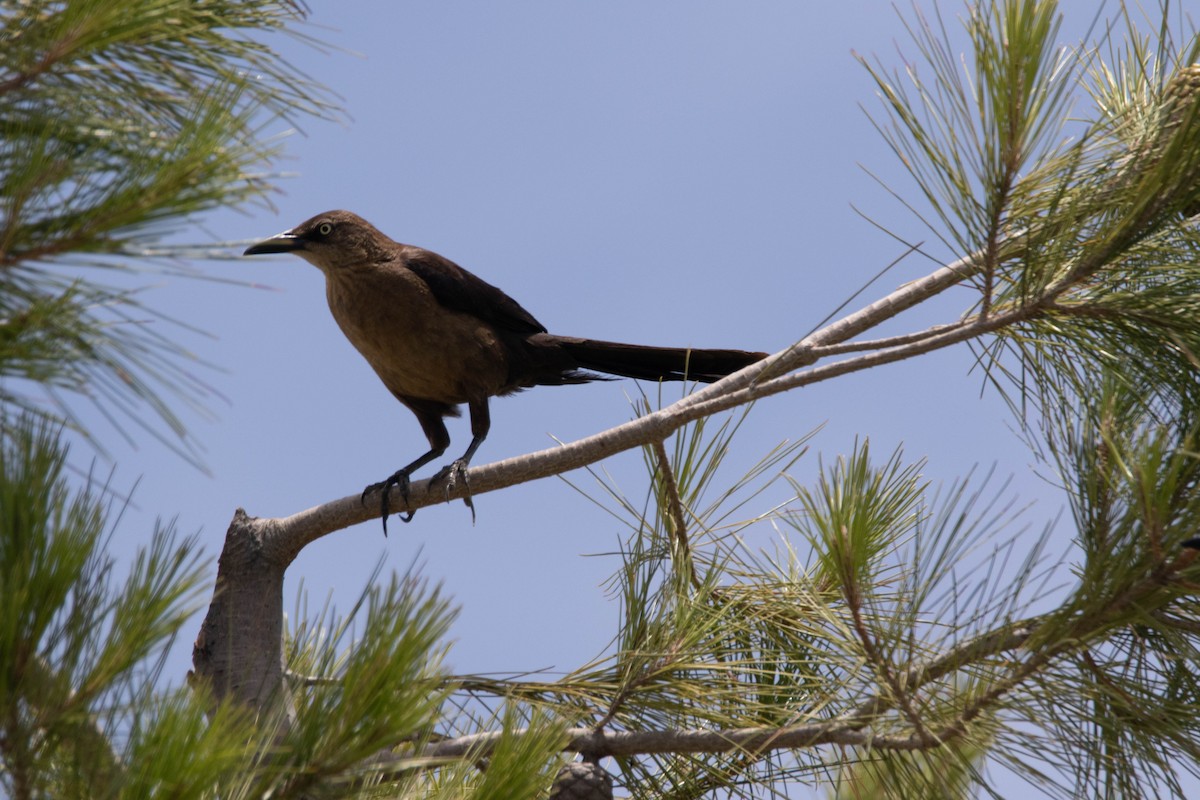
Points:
(325, 228)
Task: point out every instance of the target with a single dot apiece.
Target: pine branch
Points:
(853, 727)
(176, 94)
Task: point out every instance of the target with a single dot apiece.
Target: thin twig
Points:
(309, 680)
(899, 689)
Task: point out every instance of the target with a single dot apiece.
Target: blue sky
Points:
(664, 173)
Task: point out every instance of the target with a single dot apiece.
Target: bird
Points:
(439, 337)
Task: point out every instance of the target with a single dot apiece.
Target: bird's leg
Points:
(398, 479)
(456, 470)
(439, 440)
(481, 422)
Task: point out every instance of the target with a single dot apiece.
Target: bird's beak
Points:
(285, 242)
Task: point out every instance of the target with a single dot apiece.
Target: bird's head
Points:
(333, 241)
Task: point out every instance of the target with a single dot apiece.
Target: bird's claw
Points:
(398, 479)
(451, 473)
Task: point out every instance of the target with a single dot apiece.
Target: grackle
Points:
(438, 336)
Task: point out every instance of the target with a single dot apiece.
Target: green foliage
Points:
(1122, 706)
(382, 689)
(850, 518)
(118, 123)
(967, 139)
(910, 628)
(943, 774)
(1080, 218)
(181, 745)
(366, 707)
(83, 712)
(521, 763)
(73, 644)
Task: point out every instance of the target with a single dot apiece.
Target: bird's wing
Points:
(457, 289)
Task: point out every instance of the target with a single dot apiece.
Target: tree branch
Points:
(742, 387)
(850, 729)
(844, 730)
(247, 608)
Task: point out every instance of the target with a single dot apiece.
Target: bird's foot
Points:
(398, 479)
(452, 473)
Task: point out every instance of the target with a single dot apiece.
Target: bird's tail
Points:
(656, 363)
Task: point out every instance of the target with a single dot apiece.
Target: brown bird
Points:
(438, 336)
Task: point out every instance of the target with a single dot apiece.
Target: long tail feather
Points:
(657, 363)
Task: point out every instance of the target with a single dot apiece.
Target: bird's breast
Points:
(416, 346)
